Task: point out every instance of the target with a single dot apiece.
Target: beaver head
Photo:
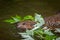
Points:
(22, 26)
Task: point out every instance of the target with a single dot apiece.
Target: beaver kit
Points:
(52, 23)
(23, 25)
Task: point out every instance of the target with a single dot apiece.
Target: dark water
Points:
(23, 7)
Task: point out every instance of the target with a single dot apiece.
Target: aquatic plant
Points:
(36, 33)
(13, 19)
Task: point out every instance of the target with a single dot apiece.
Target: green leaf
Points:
(26, 36)
(49, 37)
(40, 19)
(16, 18)
(13, 19)
(40, 31)
(28, 17)
(29, 32)
(9, 21)
(48, 32)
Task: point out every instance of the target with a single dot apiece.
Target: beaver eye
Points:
(23, 24)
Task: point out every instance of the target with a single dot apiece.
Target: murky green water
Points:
(12, 7)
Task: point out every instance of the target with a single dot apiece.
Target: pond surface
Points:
(11, 8)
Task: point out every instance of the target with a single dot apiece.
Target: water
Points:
(11, 8)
